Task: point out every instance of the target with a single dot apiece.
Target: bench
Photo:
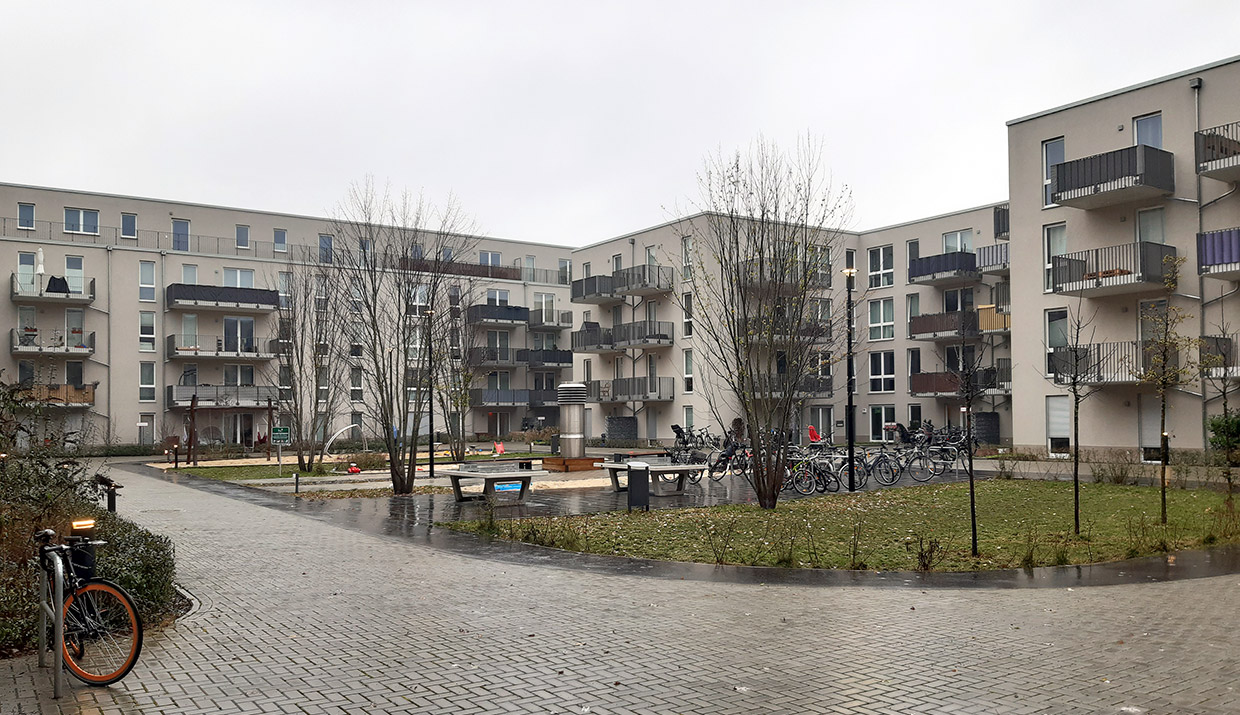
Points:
(658, 487)
(490, 481)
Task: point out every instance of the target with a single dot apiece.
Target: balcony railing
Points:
(775, 386)
(199, 297)
(593, 340)
(215, 346)
(1003, 228)
(60, 395)
(643, 280)
(631, 389)
(1001, 296)
(990, 320)
(945, 269)
(1106, 363)
(1219, 356)
(1218, 152)
(484, 270)
(492, 356)
(31, 288)
(1113, 270)
(546, 358)
(1134, 173)
(993, 260)
(1218, 254)
(771, 277)
(644, 332)
(544, 398)
(595, 289)
(944, 326)
(499, 398)
(27, 341)
(497, 314)
(947, 384)
(221, 395)
(550, 319)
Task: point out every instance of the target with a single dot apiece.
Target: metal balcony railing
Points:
(51, 289)
(550, 319)
(647, 389)
(223, 297)
(956, 324)
(1218, 253)
(1219, 356)
(499, 398)
(192, 346)
(644, 332)
(1218, 152)
(595, 289)
(947, 384)
(487, 313)
(59, 395)
(1126, 268)
(958, 267)
(1003, 228)
(775, 386)
(1001, 296)
(492, 356)
(993, 259)
(593, 339)
(221, 395)
(1129, 174)
(1107, 363)
(645, 279)
(544, 398)
(33, 340)
(546, 358)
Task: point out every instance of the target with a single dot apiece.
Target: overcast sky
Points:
(564, 122)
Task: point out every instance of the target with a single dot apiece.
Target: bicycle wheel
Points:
(718, 466)
(740, 464)
(920, 468)
(857, 467)
(885, 472)
(103, 633)
(803, 481)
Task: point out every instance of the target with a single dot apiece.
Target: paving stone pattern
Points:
(298, 614)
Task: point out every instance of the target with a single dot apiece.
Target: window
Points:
(355, 419)
(146, 381)
(325, 248)
(688, 418)
(958, 241)
(189, 374)
(239, 277)
(82, 221)
(355, 295)
(1054, 243)
(75, 327)
(25, 215)
(914, 416)
(355, 384)
(617, 262)
(129, 225)
(961, 358)
(882, 267)
(585, 269)
(364, 248)
(189, 330)
(279, 241)
(914, 361)
(1150, 226)
(820, 363)
(180, 234)
(820, 419)
(25, 271)
(912, 307)
(284, 282)
(235, 375)
(882, 319)
(445, 254)
(146, 331)
(1058, 423)
(652, 310)
(75, 274)
(74, 373)
(286, 382)
(883, 371)
(489, 258)
(238, 334)
(243, 236)
(587, 370)
(957, 299)
(688, 309)
(688, 370)
(880, 417)
(25, 371)
(146, 428)
(497, 297)
(146, 281)
(651, 259)
(1147, 130)
(686, 257)
(189, 274)
(914, 250)
(1052, 154)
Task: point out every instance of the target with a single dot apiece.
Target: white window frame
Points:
(686, 257)
(1046, 335)
(963, 241)
(237, 275)
(146, 383)
(1046, 171)
(1048, 282)
(243, 236)
(688, 368)
(279, 240)
(76, 277)
(21, 223)
(490, 258)
(886, 325)
(688, 418)
(1143, 117)
(188, 271)
(146, 284)
(146, 331)
(883, 411)
(357, 392)
(883, 376)
(134, 234)
(1162, 227)
(327, 248)
(885, 276)
(81, 221)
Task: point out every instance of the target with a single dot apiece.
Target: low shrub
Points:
(368, 460)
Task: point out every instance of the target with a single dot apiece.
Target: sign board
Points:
(282, 436)
(508, 487)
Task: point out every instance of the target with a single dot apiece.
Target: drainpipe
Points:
(1196, 83)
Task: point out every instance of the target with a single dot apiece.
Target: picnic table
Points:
(491, 479)
(658, 487)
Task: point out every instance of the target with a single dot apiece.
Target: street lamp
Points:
(850, 424)
(430, 394)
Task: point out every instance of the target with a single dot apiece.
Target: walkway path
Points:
(302, 613)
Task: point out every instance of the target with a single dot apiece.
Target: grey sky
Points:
(566, 122)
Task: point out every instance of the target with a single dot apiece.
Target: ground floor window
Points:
(1058, 424)
(822, 420)
(881, 415)
(914, 416)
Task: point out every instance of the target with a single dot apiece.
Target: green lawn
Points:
(1020, 523)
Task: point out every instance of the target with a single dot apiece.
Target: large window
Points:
(239, 334)
(1054, 243)
(819, 417)
(882, 319)
(489, 258)
(957, 299)
(235, 375)
(914, 361)
(1052, 154)
(1150, 226)
(239, 277)
(146, 331)
(883, 371)
(497, 297)
(129, 225)
(25, 271)
(914, 416)
(82, 221)
(279, 240)
(356, 392)
(882, 267)
(25, 215)
(180, 234)
(1147, 130)
(243, 236)
(688, 370)
(189, 273)
(1056, 335)
(325, 248)
(75, 273)
(146, 382)
(687, 326)
(686, 257)
(958, 241)
(914, 250)
(146, 281)
(880, 417)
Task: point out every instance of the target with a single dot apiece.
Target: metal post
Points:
(430, 394)
(112, 499)
(850, 422)
(51, 604)
(269, 424)
(192, 454)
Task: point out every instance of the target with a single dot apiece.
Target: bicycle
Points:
(102, 635)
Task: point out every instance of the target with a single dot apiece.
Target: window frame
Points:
(134, 218)
(146, 338)
(1136, 138)
(21, 221)
(327, 247)
(242, 236)
(887, 319)
(143, 384)
(885, 276)
(1046, 169)
(146, 289)
(81, 221)
(886, 377)
(279, 240)
(1048, 280)
(1046, 336)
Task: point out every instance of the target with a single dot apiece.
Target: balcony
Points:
(993, 260)
(643, 280)
(1117, 363)
(221, 396)
(956, 325)
(33, 289)
(643, 332)
(493, 357)
(1001, 296)
(1135, 173)
(781, 329)
(546, 358)
(593, 339)
(182, 296)
(595, 289)
(1218, 254)
(992, 322)
(1114, 270)
(482, 270)
(1218, 152)
(1001, 383)
(32, 341)
(499, 398)
(1003, 230)
(987, 381)
(945, 270)
(544, 398)
(497, 314)
(231, 347)
(67, 396)
(774, 387)
(631, 389)
(772, 278)
(550, 319)
(1219, 357)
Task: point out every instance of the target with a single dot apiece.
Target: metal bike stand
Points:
(49, 609)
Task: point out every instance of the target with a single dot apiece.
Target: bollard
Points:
(639, 486)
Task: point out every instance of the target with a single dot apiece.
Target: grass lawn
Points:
(1020, 523)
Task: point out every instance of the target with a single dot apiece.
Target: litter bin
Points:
(555, 444)
(639, 486)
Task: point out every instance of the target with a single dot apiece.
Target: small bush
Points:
(122, 450)
(368, 460)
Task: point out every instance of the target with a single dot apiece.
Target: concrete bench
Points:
(490, 480)
(658, 487)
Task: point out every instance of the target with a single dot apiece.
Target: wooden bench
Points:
(490, 480)
(658, 487)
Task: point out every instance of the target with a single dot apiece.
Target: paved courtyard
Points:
(357, 607)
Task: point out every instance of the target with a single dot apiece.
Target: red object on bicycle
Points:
(813, 435)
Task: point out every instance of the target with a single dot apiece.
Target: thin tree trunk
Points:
(1076, 465)
(1162, 436)
(968, 446)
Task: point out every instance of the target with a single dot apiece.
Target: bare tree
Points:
(760, 253)
(1078, 367)
(398, 257)
(458, 359)
(1165, 357)
(972, 377)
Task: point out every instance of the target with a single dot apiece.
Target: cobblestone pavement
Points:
(299, 613)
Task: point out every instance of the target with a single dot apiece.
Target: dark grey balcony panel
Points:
(493, 356)
(222, 296)
(546, 358)
(939, 326)
(644, 332)
(1134, 173)
(1002, 222)
(595, 289)
(550, 320)
(216, 396)
(1111, 270)
(944, 269)
(593, 339)
(1218, 152)
(1106, 363)
(497, 314)
(499, 398)
(544, 398)
(643, 280)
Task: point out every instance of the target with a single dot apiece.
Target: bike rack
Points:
(48, 608)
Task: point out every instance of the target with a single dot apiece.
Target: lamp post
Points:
(850, 423)
(430, 394)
